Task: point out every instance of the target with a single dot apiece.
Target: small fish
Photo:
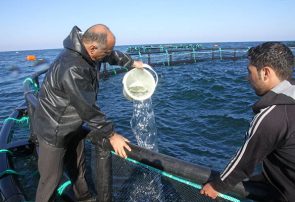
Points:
(138, 89)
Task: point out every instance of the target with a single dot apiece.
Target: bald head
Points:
(99, 34)
(99, 41)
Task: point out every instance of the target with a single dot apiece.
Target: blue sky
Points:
(31, 24)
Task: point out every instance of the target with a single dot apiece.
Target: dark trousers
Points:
(272, 195)
(51, 164)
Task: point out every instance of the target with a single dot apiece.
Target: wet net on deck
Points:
(134, 181)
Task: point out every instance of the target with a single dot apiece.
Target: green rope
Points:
(220, 54)
(140, 56)
(24, 119)
(114, 71)
(31, 81)
(62, 187)
(184, 181)
(8, 172)
(125, 68)
(6, 151)
(194, 55)
(168, 60)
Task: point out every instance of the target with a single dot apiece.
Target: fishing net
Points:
(184, 54)
(134, 181)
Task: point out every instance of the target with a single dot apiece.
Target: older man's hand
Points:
(119, 144)
(137, 64)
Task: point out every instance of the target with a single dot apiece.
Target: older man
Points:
(67, 99)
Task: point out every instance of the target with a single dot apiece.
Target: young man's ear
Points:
(266, 72)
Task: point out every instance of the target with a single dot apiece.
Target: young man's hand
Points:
(209, 191)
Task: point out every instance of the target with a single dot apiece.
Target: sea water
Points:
(202, 110)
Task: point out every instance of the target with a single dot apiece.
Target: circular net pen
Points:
(169, 55)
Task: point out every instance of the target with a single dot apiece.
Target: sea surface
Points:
(202, 110)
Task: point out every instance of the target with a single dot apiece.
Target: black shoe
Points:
(91, 199)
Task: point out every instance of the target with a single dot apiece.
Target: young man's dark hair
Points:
(275, 55)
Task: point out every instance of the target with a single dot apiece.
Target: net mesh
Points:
(135, 182)
(132, 181)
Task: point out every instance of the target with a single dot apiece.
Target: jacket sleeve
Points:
(119, 58)
(264, 134)
(82, 96)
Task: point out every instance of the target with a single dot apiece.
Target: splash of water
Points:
(148, 186)
(143, 124)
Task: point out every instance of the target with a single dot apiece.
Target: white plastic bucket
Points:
(139, 84)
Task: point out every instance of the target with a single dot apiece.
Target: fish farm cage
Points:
(179, 54)
(147, 176)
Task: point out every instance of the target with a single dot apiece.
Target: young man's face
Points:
(256, 80)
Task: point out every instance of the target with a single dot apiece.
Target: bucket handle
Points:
(151, 69)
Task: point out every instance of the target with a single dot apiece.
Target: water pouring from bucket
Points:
(140, 84)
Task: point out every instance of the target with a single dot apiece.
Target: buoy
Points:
(31, 57)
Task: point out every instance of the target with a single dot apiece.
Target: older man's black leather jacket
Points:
(67, 97)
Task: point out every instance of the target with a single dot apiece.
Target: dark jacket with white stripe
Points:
(270, 140)
(67, 97)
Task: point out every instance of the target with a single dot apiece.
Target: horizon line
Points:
(21, 50)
